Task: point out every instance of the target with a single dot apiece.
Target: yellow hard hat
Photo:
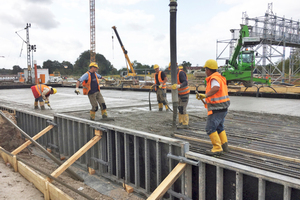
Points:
(211, 64)
(93, 64)
(155, 66)
(180, 67)
(54, 90)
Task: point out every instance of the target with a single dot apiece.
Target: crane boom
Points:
(125, 53)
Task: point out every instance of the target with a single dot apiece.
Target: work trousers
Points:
(183, 101)
(40, 99)
(215, 122)
(161, 96)
(96, 99)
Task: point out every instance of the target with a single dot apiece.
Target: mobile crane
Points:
(241, 64)
(126, 56)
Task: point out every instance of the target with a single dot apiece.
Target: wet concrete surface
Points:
(65, 100)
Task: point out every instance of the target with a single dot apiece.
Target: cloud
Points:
(121, 2)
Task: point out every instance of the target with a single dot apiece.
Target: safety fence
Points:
(143, 160)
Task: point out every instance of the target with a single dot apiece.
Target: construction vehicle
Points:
(240, 66)
(124, 74)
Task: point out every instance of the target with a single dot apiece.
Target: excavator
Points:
(128, 74)
(240, 66)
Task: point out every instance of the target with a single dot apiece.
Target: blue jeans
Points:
(40, 99)
(215, 122)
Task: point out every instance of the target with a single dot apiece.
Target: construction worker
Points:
(90, 84)
(183, 97)
(42, 92)
(217, 103)
(160, 80)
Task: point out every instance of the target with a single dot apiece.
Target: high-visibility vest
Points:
(86, 85)
(220, 100)
(185, 90)
(37, 90)
(164, 86)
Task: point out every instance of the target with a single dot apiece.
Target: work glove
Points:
(175, 86)
(77, 91)
(152, 86)
(200, 96)
(160, 86)
(48, 104)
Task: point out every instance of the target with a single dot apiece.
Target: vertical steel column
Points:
(109, 150)
(103, 152)
(158, 163)
(239, 186)
(127, 158)
(171, 161)
(287, 193)
(188, 181)
(147, 165)
(136, 162)
(118, 155)
(261, 189)
(201, 180)
(219, 183)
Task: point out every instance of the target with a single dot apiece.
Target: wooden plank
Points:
(73, 158)
(168, 181)
(32, 176)
(3, 155)
(57, 194)
(37, 136)
(47, 194)
(15, 163)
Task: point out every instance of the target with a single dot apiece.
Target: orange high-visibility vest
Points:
(86, 85)
(220, 100)
(164, 86)
(185, 90)
(37, 90)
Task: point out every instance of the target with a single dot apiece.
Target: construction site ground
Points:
(270, 119)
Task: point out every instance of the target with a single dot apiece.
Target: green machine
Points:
(241, 64)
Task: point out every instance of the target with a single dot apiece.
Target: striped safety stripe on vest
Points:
(220, 100)
(164, 86)
(86, 86)
(185, 90)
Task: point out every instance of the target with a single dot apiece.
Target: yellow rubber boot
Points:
(42, 105)
(224, 141)
(160, 106)
(92, 115)
(36, 105)
(217, 146)
(104, 113)
(167, 108)
(185, 122)
(180, 119)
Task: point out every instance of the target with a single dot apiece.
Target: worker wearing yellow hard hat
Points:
(42, 92)
(91, 87)
(217, 103)
(183, 97)
(160, 80)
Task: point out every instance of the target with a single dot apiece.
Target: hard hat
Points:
(54, 90)
(93, 64)
(155, 66)
(211, 64)
(180, 67)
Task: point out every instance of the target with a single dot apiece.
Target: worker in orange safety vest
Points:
(183, 97)
(91, 87)
(42, 92)
(217, 103)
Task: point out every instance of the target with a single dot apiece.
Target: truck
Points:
(241, 65)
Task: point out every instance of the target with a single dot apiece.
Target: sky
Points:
(60, 29)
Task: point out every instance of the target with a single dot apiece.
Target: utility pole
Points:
(92, 32)
(173, 51)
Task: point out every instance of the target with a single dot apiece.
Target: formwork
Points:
(142, 160)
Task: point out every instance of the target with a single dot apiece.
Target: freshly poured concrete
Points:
(65, 100)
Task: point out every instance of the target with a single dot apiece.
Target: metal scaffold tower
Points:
(276, 34)
(92, 32)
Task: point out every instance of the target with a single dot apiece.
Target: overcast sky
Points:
(60, 29)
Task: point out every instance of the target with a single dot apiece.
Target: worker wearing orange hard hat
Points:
(91, 87)
(160, 80)
(183, 97)
(217, 103)
(42, 92)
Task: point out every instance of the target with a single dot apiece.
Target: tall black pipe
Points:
(173, 51)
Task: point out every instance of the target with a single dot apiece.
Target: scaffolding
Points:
(276, 34)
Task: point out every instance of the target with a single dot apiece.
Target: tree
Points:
(16, 69)
(185, 65)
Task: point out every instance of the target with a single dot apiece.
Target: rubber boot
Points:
(36, 105)
(42, 105)
(185, 122)
(180, 119)
(217, 146)
(167, 108)
(160, 106)
(224, 141)
(104, 113)
(92, 115)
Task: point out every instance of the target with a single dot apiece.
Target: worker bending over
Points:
(160, 80)
(217, 103)
(183, 97)
(91, 87)
(42, 92)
